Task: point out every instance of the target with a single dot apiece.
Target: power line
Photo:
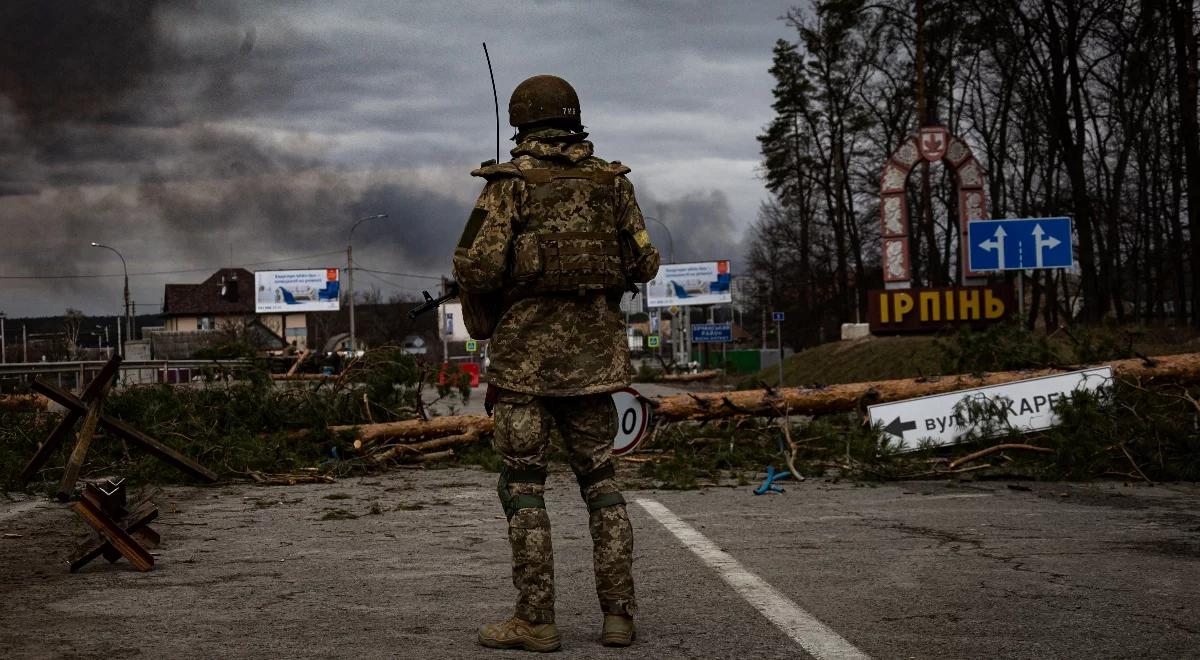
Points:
(391, 284)
(163, 272)
(388, 272)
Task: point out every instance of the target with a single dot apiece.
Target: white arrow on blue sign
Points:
(1019, 244)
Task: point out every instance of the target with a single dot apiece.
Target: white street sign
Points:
(633, 415)
(945, 418)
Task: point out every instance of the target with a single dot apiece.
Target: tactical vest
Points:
(568, 240)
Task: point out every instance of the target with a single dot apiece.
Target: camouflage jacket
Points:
(549, 345)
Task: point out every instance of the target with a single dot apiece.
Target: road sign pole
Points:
(1021, 296)
(779, 339)
(725, 344)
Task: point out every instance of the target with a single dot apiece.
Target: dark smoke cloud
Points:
(422, 228)
(62, 60)
(181, 131)
(701, 225)
(120, 124)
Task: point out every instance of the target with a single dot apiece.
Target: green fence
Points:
(739, 362)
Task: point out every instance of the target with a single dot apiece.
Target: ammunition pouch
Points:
(515, 502)
(599, 500)
(569, 244)
(567, 262)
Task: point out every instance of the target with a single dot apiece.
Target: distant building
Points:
(225, 301)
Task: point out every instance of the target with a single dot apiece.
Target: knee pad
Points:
(599, 500)
(513, 502)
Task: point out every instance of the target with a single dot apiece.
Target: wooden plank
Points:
(52, 442)
(102, 380)
(106, 375)
(127, 432)
(137, 525)
(119, 538)
(83, 442)
(158, 449)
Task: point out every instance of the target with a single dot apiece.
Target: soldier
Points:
(555, 239)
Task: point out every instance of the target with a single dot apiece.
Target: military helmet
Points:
(544, 99)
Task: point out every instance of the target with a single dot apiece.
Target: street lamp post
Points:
(350, 270)
(128, 320)
(670, 241)
(676, 339)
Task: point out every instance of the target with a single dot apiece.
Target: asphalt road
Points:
(909, 570)
(474, 403)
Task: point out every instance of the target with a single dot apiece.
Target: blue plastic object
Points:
(769, 486)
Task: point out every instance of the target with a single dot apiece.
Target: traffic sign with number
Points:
(633, 416)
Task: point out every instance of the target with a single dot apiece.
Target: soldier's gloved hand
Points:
(489, 398)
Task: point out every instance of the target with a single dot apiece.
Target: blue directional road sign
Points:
(776, 316)
(713, 333)
(1020, 244)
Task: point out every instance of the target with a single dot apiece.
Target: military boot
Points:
(618, 630)
(519, 633)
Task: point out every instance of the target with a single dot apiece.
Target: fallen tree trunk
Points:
(974, 456)
(292, 376)
(685, 378)
(366, 435)
(23, 403)
(414, 450)
(1182, 369)
(299, 361)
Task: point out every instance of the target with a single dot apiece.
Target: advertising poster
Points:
(704, 283)
(286, 291)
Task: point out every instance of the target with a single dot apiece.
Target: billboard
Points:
(704, 283)
(286, 291)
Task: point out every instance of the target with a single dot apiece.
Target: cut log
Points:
(299, 361)
(415, 429)
(685, 378)
(291, 376)
(973, 456)
(1183, 369)
(23, 403)
(291, 479)
(436, 456)
(414, 450)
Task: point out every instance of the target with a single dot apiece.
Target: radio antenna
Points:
(495, 99)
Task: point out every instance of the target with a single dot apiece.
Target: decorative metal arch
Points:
(932, 143)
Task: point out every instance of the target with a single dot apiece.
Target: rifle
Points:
(432, 303)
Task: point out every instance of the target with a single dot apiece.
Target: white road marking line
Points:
(813, 636)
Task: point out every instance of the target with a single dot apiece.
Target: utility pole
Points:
(350, 270)
(3, 340)
(24, 344)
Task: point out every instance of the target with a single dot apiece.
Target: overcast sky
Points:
(195, 134)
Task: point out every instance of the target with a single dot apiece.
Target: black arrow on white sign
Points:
(897, 427)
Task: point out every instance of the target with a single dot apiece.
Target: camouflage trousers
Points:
(587, 425)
